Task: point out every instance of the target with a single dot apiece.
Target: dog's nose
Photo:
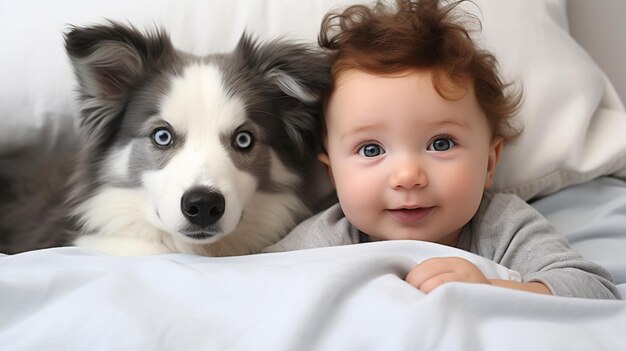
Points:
(202, 206)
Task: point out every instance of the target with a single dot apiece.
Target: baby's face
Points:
(407, 163)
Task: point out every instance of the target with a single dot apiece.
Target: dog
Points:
(212, 155)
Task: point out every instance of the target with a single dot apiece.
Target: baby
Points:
(414, 125)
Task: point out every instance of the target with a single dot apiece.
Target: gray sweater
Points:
(505, 229)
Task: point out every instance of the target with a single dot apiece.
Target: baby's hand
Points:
(433, 272)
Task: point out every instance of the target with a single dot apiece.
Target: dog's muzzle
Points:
(202, 206)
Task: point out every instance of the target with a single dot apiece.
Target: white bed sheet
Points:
(338, 298)
(593, 218)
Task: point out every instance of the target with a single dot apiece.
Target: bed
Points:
(570, 164)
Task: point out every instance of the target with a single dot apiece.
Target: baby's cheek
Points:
(357, 194)
(466, 193)
(352, 193)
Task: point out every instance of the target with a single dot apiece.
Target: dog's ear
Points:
(299, 71)
(109, 61)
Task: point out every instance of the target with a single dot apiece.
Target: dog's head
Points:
(190, 143)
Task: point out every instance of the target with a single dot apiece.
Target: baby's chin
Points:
(415, 234)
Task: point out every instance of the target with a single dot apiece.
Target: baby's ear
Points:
(325, 160)
(494, 154)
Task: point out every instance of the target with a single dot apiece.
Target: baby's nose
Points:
(409, 173)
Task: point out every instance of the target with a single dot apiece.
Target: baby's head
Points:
(420, 35)
(415, 119)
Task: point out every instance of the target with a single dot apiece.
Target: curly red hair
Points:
(417, 35)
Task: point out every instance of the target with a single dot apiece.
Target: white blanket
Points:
(338, 298)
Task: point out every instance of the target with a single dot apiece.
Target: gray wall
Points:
(600, 27)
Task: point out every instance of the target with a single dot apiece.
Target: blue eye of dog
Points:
(243, 140)
(162, 137)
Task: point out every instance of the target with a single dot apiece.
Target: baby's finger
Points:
(426, 270)
(436, 281)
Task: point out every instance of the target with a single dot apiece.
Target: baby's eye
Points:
(441, 144)
(371, 150)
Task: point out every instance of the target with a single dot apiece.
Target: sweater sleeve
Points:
(514, 234)
(328, 228)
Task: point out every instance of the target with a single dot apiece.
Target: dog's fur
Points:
(210, 155)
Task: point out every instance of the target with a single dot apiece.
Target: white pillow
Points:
(574, 122)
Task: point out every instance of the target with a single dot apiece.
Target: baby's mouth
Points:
(410, 215)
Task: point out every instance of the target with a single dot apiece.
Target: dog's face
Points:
(196, 155)
(191, 143)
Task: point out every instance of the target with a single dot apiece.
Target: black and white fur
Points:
(210, 155)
